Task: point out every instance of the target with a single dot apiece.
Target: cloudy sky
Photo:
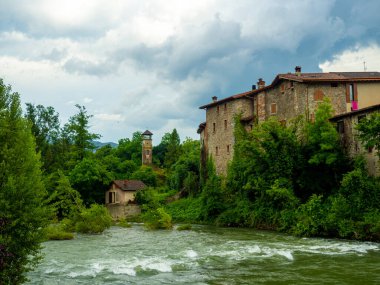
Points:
(149, 64)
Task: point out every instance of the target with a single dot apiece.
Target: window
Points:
(340, 127)
(213, 127)
(216, 150)
(273, 108)
(217, 109)
(225, 124)
(225, 106)
(111, 197)
(318, 95)
(228, 149)
(334, 84)
(282, 88)
(352, 92)
(291, 84)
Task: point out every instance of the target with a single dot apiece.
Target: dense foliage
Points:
(23, 213)
(296, 179)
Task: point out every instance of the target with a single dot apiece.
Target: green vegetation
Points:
(185, 227)
(23, 211)
(58, 232)
(93, 220)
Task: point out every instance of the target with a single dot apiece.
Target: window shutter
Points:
(348, 93)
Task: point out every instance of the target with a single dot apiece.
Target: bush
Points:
(123, 223)
(157, 219)
(58, 232)
(185, 210)
(185, 227)
(93, 220)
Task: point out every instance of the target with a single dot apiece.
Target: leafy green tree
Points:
(130, 149)
(23, 211)
(65, 201)
(90, 178)
(146, 175)
(46, 130)
(369, 131)
(77, 132)
(173, 150)
(161, 149)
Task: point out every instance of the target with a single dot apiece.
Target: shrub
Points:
(185, 227)
(185, 210)
(93, 220)
(58, 232)
(157, 219)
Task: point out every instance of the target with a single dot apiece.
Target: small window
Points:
(334, 84)
(273, 108)
(340, 127)
(352, 92)
(318, 95)
(228, 149)
(213, 127)
(225, 124)
(291, 84)
(225, 106)
(282, 88)
(217, 109)
(216, 150)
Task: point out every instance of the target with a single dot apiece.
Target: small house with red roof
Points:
(120, 198)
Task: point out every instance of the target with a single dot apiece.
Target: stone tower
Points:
(147, 148)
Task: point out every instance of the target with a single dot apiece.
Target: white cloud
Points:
(353, 59)
(109, 117)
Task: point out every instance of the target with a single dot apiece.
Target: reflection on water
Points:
(206, 255)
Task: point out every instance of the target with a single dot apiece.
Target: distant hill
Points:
(98, 144)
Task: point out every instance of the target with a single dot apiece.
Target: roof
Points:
(201, 127)
(129, 185)
(147, 133)
(356, 112)
(307, 78)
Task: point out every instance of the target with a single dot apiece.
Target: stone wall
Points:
(220, 129)
(121, 211)
(290, 99)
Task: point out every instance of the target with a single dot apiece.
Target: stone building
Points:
(288, 96)
(120, 198)
(346, 127)
(147, 148)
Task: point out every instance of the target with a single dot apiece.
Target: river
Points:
(206, 255)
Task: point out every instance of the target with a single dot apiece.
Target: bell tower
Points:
(147, 148)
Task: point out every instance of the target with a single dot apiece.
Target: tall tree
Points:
(77, 131)
(173, 150)
(46, 129)
(23, 215)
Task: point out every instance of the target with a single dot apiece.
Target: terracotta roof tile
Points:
(129, 185)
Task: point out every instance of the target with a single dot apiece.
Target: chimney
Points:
(254, 87)
(214, 99)
(260, 83)
(298, 70)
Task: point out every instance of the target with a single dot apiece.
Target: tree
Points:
(369, 131)
(90, 178)
(173, 149)
(23, 214)
(77, 131)
(46, 129)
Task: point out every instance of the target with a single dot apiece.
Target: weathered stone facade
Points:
(219, 132)
(288, 96)
(147, 148)
(346, 127)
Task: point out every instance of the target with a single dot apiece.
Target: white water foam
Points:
(191, 253)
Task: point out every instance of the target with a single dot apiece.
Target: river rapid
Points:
(206, 255)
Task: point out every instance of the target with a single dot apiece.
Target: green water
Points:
(206, 255)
